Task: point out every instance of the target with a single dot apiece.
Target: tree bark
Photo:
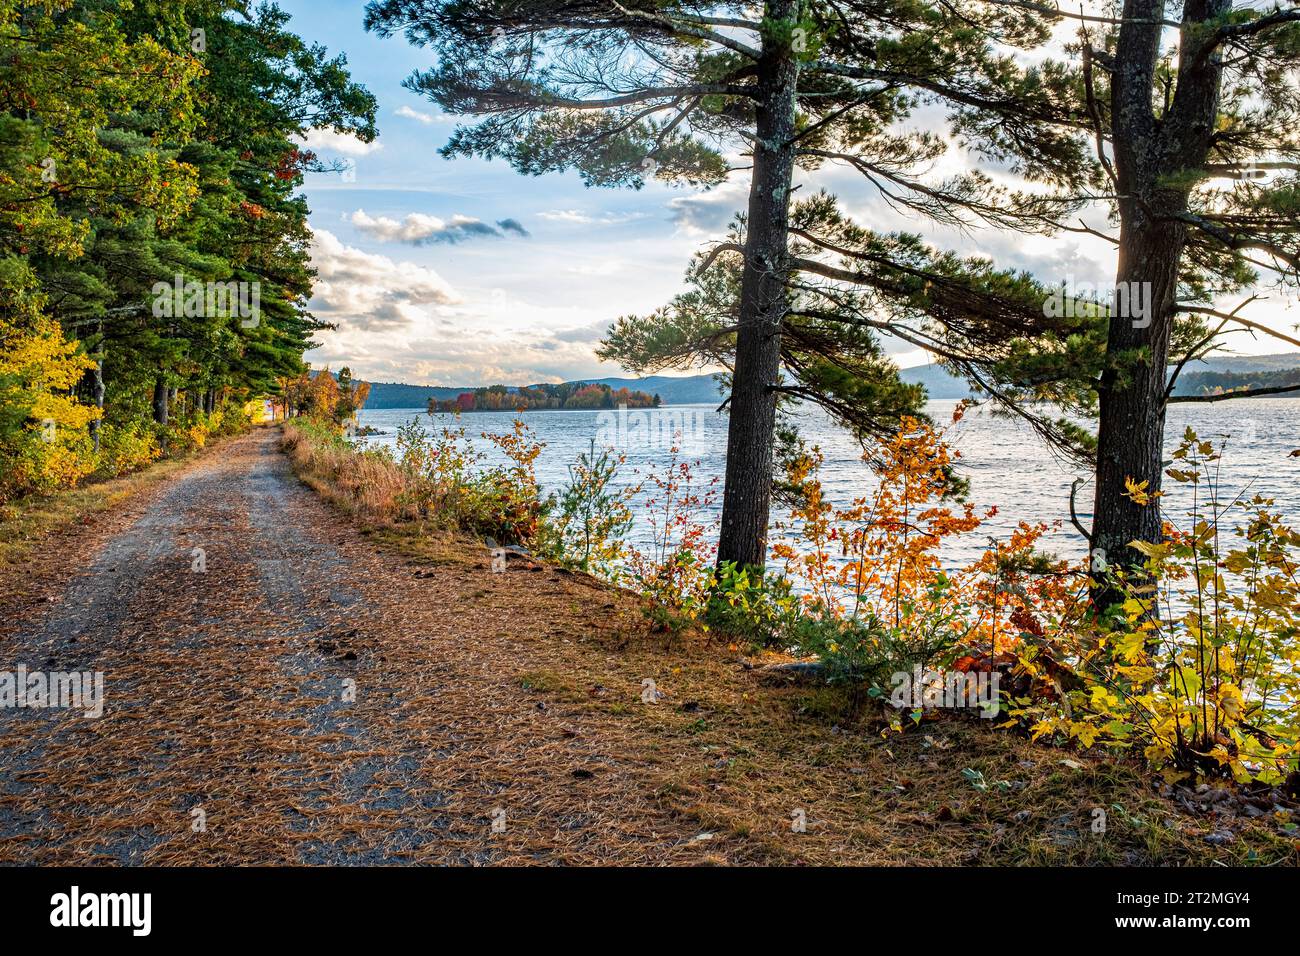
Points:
(97, 391)
(747, 489)
(1151, 159)
(160, 395)
(1131, 429)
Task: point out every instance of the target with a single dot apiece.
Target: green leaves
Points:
(140, 156)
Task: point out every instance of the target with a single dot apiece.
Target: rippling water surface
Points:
(1008, 466)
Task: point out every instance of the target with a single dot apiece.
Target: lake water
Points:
(1007, 465)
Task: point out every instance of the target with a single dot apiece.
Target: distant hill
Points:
(1219, 383)
(689, 390)
(1213, 374)
(939, 384)
(1238, 364)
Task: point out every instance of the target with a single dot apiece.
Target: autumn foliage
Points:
(1199, 670)
(1198, 676)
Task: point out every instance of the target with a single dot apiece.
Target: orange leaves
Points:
(1136, 492)
(879, 558)
(677, 571)
(878, 555)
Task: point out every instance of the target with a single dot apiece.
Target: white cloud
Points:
(577, 217)
(364, 292)
(599, 267)
(428, 119)
(490, 336)
(461, 352)
(708, 213)
(418, 229)
(318, 139)
(567, 215)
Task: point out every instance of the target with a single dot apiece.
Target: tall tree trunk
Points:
(1131, 429)
(97, 390)
(1151, 160)
(747, 490)
(160, 395)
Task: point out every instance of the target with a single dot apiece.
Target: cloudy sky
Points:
(462, 272)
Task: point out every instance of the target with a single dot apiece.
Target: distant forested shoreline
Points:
(569, 396)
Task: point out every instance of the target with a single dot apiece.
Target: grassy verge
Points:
(777, 771)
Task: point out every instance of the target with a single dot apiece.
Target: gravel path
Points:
(279, 691)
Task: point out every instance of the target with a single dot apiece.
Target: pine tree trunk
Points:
(1150, 156)
(97, 390)
(1131, 430)
(160, 396)
(747, 491)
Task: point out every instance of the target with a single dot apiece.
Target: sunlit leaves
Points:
(1202, 672)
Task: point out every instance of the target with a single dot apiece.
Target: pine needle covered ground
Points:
(498, 717)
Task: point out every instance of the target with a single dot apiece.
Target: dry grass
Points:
(365, 485)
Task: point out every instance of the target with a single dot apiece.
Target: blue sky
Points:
(463, 272)
(514, 308)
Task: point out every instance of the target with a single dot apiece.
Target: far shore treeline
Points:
(574, 396)
(1211, 375)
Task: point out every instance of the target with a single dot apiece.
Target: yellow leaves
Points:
(1220, 754)
(1138, 675)
(38, 369)
(1134, 609)
(1154, 551)
(1103, 699)
(1132, 646)
(1170, 775)
(1084, 732)
(1136, 491)
(1231, 701)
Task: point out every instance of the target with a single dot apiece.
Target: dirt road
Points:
(276, 690)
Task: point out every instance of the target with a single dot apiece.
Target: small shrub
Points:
(436, 479)
(676, 574)
(124, 449)
(760, 608)
(1202, 670)
(588, 517)
(32, 463)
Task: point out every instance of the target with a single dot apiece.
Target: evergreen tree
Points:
(660, 87)
(149, 146)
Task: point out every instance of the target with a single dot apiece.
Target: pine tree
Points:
(621, 91)
(1203, 146)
